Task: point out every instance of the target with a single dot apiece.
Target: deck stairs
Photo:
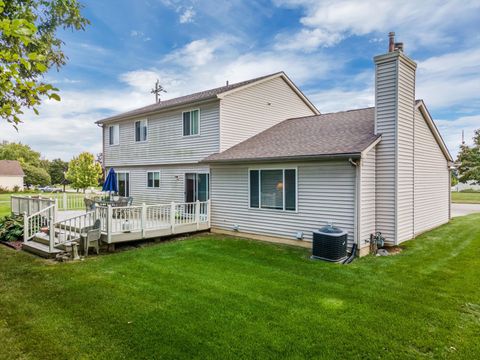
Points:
(39, 245)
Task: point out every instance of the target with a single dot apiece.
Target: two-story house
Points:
(156, 150)
(274, 168)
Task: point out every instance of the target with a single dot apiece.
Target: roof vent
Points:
(399, 46)
(391, 43)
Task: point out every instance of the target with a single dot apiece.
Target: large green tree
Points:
(84, 171)
(20, 152)
(468, 161)
(57, 170)
(35, 175)
(29, 47)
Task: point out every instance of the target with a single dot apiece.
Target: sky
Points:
(326, 47)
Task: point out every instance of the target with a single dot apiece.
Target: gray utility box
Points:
(330, 244)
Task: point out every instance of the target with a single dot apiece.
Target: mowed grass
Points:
(466, 197)
(220, 297)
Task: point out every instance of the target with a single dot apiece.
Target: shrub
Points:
(16, 188)
(11, 228)
(3, 190)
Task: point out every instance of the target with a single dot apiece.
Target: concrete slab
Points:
(464, 209)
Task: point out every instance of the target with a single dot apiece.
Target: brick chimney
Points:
(394, 119)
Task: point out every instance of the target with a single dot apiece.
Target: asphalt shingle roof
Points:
(342, 133)
(199, 96)
(10, 168)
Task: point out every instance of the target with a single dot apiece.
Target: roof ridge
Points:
(330, 113)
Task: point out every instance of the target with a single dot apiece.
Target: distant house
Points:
(11, 175)
(273, 167)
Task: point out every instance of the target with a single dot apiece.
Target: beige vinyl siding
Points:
(9, 182)
(172, 186)
(250, 111)
(405, 151)
(326, 192)
(432, 191)
(367, 200)
(165, 141)
(386, 117)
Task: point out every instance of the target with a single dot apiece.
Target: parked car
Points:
(50, 189)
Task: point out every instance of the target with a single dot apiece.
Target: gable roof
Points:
(216, 93)
(420, 104)
(345, 133)
(10, 168)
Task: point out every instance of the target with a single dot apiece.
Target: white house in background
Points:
(11, 175)
(274, 167)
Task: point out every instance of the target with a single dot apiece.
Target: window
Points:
(197, 187)
(191, 122)
(114, 134)
(153, 179)
(141, 130)
(273, 189)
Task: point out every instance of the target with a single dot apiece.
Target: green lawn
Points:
(466, 197)
(220, 297)
(4, 204)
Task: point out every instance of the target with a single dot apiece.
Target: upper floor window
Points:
(273, 189)
(191, 122)
(153, 179)
(141, 130)
(114, 134)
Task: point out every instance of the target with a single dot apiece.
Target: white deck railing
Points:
(69, 201)
(29, 204)
(33, 223)
(70, 229)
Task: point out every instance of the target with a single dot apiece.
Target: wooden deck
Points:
(117, 224)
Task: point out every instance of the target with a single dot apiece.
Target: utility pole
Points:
(463, 137)
(157, 90)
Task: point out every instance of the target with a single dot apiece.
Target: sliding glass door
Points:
(197, 187)
(123, 179)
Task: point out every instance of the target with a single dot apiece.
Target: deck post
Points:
(25, 227)
(197, 214)
(29, 205)
(172, 216)
(109, 223)
(144, 219)
(208, 212)
(64, 201)
(51, 234)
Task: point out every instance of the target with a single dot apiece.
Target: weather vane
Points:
(157, 90)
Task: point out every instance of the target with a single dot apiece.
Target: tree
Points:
(35, 175)
(18, 151)
(468, 161)
(84, 171)
(57, 170)
(29, 48)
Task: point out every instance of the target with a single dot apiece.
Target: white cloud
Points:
(187, 15)
(336, 99)
(139, 35)
(307, 39)
(418, 22)
(451, 131)
(450, 79)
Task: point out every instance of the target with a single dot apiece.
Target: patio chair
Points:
(89, 204)
(90, 237)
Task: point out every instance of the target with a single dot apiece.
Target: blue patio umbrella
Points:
(110, 183)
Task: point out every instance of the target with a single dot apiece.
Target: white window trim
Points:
(118, 140)
(196, 174)
(259, 208)
(129, 182)
(135, 131)
(159, 179)
(199, 121)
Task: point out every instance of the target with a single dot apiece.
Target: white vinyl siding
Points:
(432, 191)
(250, 111)
(326, 192)
(367, 201)
(166, 143)
(10, 182)
(405, 155)
(386, 117)
(172, 182)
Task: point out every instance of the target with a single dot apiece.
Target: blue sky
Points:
(326, 47)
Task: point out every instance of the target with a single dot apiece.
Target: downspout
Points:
(357, 202)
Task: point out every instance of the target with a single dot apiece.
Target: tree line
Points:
(81, 172)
